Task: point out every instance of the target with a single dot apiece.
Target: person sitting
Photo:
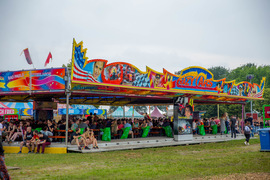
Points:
(46, 132)
(144, 124)
(83, 124)
(28, 136)
(90, 138)
(114, 127)
(75, 125)
(43, 141)
(11, 129)
(93, 125)
(120, 124)
(136, 125)
(50, 126)
(128, 124)
(18, 133)
(78, 139)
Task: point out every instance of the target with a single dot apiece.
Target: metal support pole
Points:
(243, 116)
(251, 105)
(133, 113)
(68, 93)
(67, 108)
(251, 109)
(30, 83)
(218, 111)
(123, 111)
(175, 118)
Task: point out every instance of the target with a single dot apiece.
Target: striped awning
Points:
(18, 105)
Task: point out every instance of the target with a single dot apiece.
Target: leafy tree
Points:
(162, 108)
(219, 72)
(68, 64)
(239, 74)
(141, 109)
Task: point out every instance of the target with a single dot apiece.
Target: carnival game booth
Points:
(99, 82)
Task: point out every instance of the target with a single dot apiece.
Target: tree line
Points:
(239, 74)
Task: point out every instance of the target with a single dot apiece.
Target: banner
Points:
(120, 75)
(95, 111)
(70, 111)
(41, 80)
(26, 112)
(4, 111)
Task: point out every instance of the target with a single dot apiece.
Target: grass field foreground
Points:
(180, 162)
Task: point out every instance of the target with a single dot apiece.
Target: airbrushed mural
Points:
(100, 72)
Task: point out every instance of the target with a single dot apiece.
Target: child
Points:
(247, 131)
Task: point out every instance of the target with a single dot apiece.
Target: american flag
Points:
(82, 75)
(259, 95)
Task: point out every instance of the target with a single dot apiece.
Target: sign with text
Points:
(124, 75)
(34, 80)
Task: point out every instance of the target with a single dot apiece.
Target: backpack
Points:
(247, 130)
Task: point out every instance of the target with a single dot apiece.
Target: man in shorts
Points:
(28, 140)
(78, 140)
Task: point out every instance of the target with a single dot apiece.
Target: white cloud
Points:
(159, 34)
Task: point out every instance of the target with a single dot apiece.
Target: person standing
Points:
(3, 168)
(250, 120)
(247, 131)
(222, 123)
(233, 131)
(1, 129)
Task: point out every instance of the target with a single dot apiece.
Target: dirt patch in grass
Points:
(247, 176)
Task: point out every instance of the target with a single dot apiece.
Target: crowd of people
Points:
(39, 133)
(232, 124)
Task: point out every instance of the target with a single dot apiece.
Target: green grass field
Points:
(209, 161)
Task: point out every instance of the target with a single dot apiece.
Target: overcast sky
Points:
(160, 34)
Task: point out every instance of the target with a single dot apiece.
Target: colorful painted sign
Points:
(82, 111)
(4, 111)
(48, 79)
(34, 80)
(75, 106)
(124, 75)
(95, 111)
(70, 111)
(26, 112)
